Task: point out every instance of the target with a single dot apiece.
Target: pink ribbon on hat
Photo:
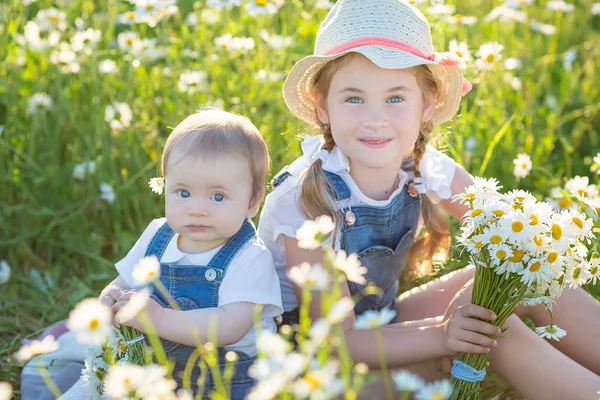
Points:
(446, 59)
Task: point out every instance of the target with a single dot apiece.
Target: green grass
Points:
(62, 240)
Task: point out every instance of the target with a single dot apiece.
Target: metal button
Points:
(210, 274)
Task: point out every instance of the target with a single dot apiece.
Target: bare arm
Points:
(223, 326)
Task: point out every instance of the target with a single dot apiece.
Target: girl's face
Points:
(374, 114)
(207, 201)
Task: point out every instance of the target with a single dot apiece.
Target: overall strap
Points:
(160, 241)
(341, 191)
(222, 259)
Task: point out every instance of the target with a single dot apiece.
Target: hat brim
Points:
(298, 86)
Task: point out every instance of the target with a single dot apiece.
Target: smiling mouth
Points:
(375, 142)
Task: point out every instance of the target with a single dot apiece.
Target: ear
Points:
(428, 108)
(321, 107)
(255, 204)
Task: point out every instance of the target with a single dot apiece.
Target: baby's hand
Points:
(153, 310)
(462, 333)
(110, 294)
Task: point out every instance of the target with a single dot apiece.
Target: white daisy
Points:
(35, 348)
(122, 380)
(192, 81)
(438, 390)
(136, 303)
(545, 29)
(374, 319)
(276, 41)
(107, 193)
(515, 227)
(307, 276)
(561, 231)
(512, 64)
(560, 5)
(350, 266)
(118, 115)
(595, 8)
(580, 186)
(146, 271)
(319, 383)
(459, 19)
(4, 271)
(461, 49)
(84, 168)
(522, 165)
(406, 381)
(39, 101)
(499, 253)
(107, 67)
(537, 270)
(340, 310)
(506, 15)
(129, 41)
(157, 185)
(90, 320)
(578, 275)
(551, 332)
(489, 53)
(313, 233)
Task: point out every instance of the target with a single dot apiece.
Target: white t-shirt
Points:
(281, 213)
(250, 277)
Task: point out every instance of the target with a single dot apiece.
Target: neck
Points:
(376, 183)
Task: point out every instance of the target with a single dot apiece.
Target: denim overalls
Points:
(197, 286)
(381, 236)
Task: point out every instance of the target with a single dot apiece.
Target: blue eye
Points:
(218, 197)
(354, 100)
(395, 99)
(184, 194)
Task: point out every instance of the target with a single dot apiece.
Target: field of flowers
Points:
(89, 91)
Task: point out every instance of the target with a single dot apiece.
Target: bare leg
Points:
(578, 313)
(431, 299)
(539, 371)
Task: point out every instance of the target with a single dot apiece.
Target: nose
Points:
(198, 208)
(374, 119)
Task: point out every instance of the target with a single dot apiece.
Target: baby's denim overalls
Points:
(197, 286)
(381, 236)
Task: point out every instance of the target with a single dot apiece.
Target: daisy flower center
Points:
(93, 324)
(576, 273)
(538, 241)
(495, 239)
(501, 254)
(565, 203)
(437, 396)
(556, 232)
(582, 192)
(490, 57)
(478, 244)
(552, 257)
(578, 222)
(130, 15)
(535, 266)
(312, 380)
(517, 226)
(458, 53)
(534, 219)
(517, 256)
(476, 212)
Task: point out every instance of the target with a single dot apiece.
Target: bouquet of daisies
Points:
(124, 345)
(524, 251)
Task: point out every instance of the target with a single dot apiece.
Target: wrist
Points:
(441, 347)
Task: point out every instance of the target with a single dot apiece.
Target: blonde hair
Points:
(314, 199)
(213, 133)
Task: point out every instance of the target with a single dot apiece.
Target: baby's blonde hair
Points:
(314, 200)
(213, 133)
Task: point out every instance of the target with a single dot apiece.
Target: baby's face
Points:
(207, 201)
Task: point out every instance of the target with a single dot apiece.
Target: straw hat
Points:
(392, 34)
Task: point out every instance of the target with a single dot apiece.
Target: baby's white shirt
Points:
(250, 277)
(281, 213)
